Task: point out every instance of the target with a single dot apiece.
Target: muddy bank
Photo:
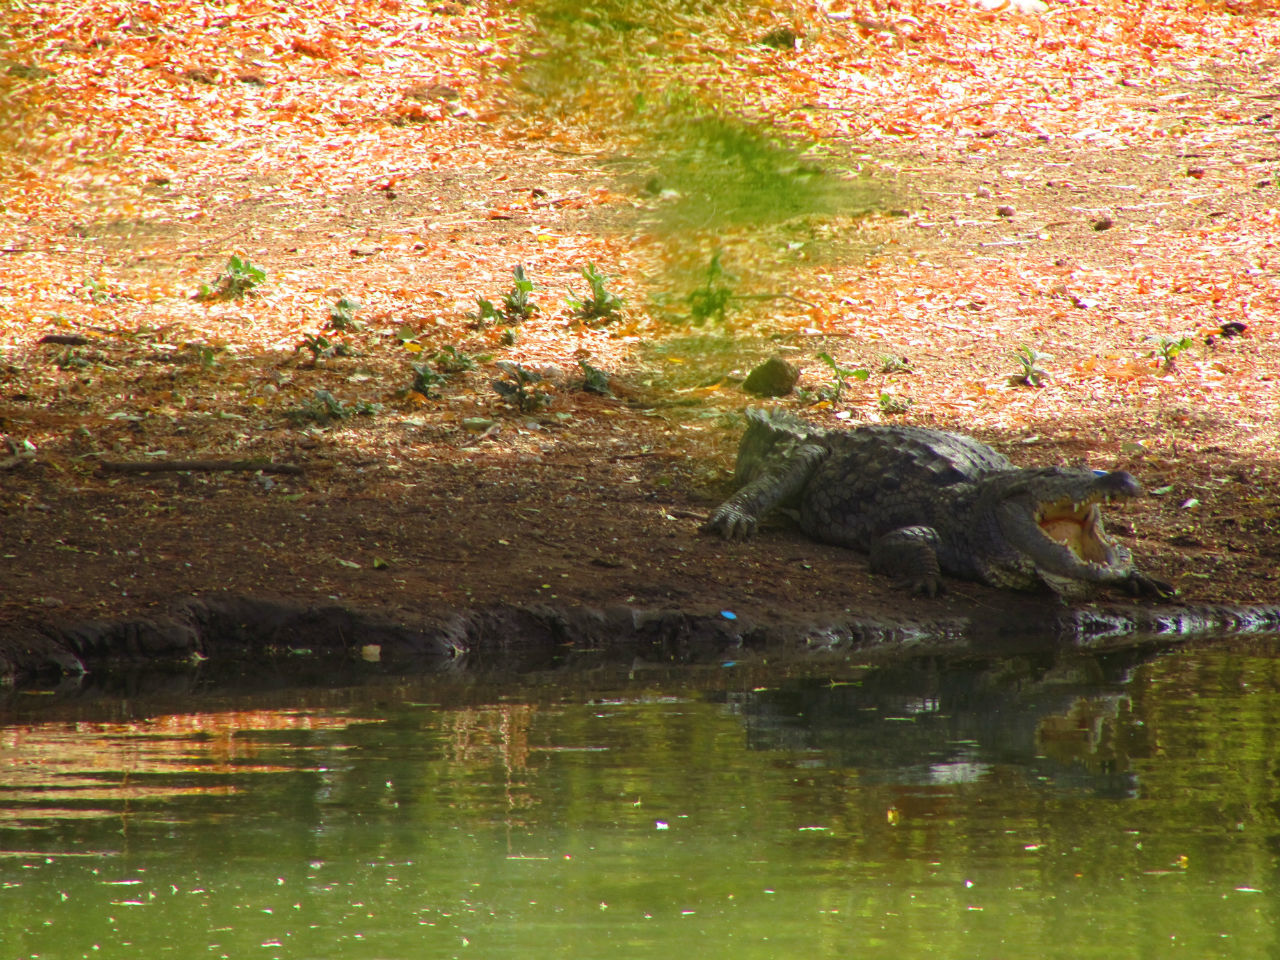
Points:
(206, 633)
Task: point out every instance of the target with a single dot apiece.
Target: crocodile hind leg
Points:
(781, 480)
(910, 556)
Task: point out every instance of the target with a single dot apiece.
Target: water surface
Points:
(1007, 811)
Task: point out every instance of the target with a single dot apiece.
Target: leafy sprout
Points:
(1169, 347)
(449, 359)
(97, 290)
(521, 386)
(205, 355)
(1029, 373)
(600, 304)
(839, 375)
(322, 347)
(711, 300)
(426, 379)
(485, 313)
(240, 276)
(518, 304)
(324, 408)
(594, 380)
(342, 314)
(893, 403)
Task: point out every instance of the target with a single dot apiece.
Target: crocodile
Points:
(925, 502)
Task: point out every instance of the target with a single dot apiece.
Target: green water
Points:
(732, 812)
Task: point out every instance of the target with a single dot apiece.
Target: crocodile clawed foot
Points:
(730, 524)
(925, 586)
(1140, 585)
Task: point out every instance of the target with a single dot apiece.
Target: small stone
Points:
(1004, 210)
(773, 378)
(26, 71)
(781, 38)
(431, 91)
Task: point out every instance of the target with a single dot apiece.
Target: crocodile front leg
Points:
(910, 556)
(780, 481)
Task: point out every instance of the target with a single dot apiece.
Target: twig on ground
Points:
(773, 296)
(206, 466)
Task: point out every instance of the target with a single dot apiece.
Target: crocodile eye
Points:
(1120, 483)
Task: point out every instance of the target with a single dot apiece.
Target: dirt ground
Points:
(1088, 246)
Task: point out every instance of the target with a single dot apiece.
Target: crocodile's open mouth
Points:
(1078, 527)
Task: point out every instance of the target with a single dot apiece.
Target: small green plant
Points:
(600, 304)
(508, 338)
(711, 300)
(525, 388)
(206, 355)
(240, 276)
(444, 363)
(342, 315)
(97, 291)
(72, 360)
(322, 347)
(1029, 373)
(486, 313)
(1169, 347)
(324, 408)
(449, 360)
(892, 403)
(839, 375)
(518, 304)
(319, 344)
(594, 380)
(425, 380)
(893, 364)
